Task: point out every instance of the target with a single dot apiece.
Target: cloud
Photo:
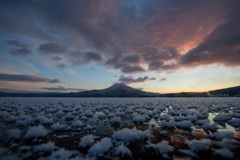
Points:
(61, 66)
(163, 35)
(52, 48)
(132, 69)
(163, 79)
(20, 51)
(26, 78)
(222, 46)
(15, 43)
(130, 79)
(62, 88)
(79, 57)
(18, 48)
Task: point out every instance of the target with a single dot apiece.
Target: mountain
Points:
(232, 91)
(122, 90)
(116, 90)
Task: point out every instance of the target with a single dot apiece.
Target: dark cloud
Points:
(130, 79)
(61, 66)
(56, 58)
(222, 46)
(20, 51)
(78, 57)
(124, 35)
(18, 48)
(163, 79)
(15, 43)
(52, 48)
(63, 89)
(26, 78)
(132, 69)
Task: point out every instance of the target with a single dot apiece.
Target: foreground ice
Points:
(119, 128)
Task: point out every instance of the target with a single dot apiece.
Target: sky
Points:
(162, 46)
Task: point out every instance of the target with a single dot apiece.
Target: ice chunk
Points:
(36, 132)
(225, 153)
(43, 120)
(227, 143)
(139, 119)
(162, 148)
(221, 135)
(115, 120)
(130, 135)
(86, 141)
(198, 145)
(57, 127)
(189, 153)
(60, 154)
(77, 124)
(223, 117)
(210, 126)
(101, 147)
(234, 122)
(13, 133)
(165, 117)
(122, 151)
(184, 124)
(47, 147)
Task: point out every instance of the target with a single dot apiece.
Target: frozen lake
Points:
(119, 128)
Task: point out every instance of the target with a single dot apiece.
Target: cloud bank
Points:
(130, 37)
(26, 78)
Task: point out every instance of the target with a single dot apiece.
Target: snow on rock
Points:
(101, 147)
(122, 151)
(162, 148)
(198, 145)
(221, 135)
(36, 132)
(86, 141)
(13, 133)
(130, 135)
(225, 153)
(57, 127)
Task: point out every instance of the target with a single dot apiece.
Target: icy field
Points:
(119, 128)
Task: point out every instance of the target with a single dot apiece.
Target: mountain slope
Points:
(116, 90)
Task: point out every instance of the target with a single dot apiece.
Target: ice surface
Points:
(52, 128)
